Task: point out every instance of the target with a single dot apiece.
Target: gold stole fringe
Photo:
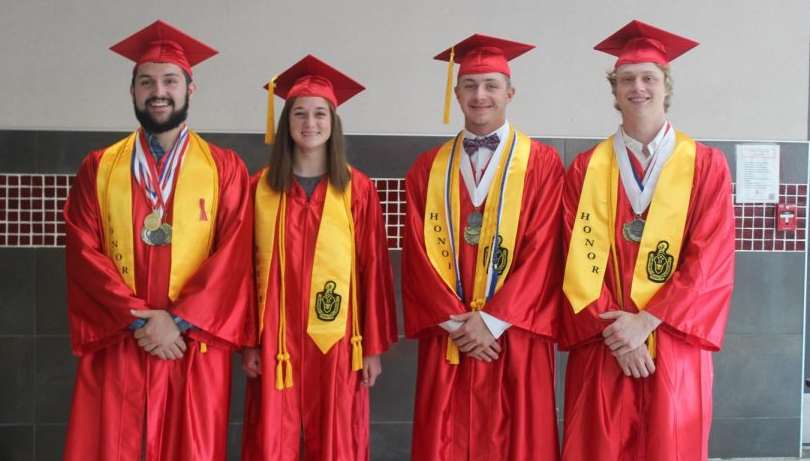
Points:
(197, 183)
(505, 197)
(334, 272)
(595, 223)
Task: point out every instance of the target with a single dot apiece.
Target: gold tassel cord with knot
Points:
(269, 132)
(447, 96)
(283, 357)
(357, 338)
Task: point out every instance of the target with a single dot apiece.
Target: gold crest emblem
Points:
(327, 302)
(659, 263)
(500, 257)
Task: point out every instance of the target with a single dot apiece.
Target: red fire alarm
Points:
(785, 216)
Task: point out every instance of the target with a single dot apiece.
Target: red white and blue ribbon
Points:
(156, 180)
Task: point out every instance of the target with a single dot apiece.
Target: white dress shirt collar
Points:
(637, 147)
(485, 163)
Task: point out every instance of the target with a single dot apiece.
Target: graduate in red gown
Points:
(159, 273)
(481, 275)
(324, 281)
(650, 264)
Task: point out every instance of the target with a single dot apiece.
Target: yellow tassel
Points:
(288, 383)
(452, 352)
(651, 344)
(357, 353)
(449, 86)
(271, 113)
(357, 338)
(283, 354)
(203, 348)
(280, 372)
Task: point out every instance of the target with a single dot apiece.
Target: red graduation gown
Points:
(503, 410)
(120, 390)
(327, 399)
(667, 416)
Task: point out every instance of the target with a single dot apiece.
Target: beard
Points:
(153, 126)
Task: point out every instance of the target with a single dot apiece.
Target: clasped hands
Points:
(474, 338)
(160, 336)
(626, 338)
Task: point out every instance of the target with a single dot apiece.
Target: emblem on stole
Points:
(659, 263)
(500, 257)
(327, 302)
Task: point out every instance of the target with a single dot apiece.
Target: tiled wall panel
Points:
(31, 204)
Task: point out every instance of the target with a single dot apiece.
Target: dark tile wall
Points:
(758, 378)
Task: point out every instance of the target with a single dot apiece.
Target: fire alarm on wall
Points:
(785, 216)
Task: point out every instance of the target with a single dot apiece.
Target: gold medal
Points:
(160, 236)
(167, 232)
(472, 233)
(633, 230)
(151, 222)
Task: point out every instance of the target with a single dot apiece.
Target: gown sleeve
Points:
(98, 299)
(694, 302)
(427, 300)
(375, 278)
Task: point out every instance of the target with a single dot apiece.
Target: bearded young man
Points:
(649, 234)
(481, 274)
(159, 273)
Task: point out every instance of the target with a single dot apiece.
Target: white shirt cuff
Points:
(450, 325)
(496, 326)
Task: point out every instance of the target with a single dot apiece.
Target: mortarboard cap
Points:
(479, 54)
(309, 77)
(639, 42)
(160, 42)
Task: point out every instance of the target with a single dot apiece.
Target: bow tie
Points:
(471, 145)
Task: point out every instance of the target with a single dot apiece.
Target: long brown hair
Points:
(281, 154)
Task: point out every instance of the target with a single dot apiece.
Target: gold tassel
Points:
(203, 348)
(449, 86)
(271, 113)
(357, 338)
(280, 372)
(283, 354)
(357, 353)
(288, 383)
(651, 344)
(452, 352)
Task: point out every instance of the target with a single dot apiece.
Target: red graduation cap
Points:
(309, 77)
(639, 42)
(160, 42)
(479, 54)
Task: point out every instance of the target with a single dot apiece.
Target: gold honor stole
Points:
(593, 236)
(333, 282)
(193, 237)
(499, 229)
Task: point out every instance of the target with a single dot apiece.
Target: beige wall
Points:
(747, 80)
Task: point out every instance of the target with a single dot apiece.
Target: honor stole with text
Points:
(593, 235)
(197, 186)
(496, 249)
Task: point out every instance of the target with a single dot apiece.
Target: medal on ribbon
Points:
(151, 222)
(633, 230)
(472, 233)
(157, 187)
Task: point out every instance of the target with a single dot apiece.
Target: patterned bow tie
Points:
(472, 145)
